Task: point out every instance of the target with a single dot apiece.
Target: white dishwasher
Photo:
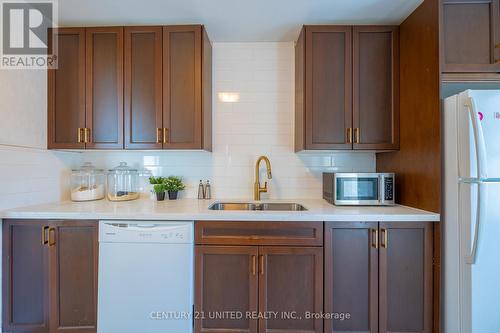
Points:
(145, 277)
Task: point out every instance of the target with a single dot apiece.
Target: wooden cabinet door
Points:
(104, 87)
(328, 85)
(24, 277)
(376, 87)
(290, 282)
(143, 87)
(470, 35)
(351, 277)
(225, 280)
(73, 276)
(66, 90)
(182, 103)
(405, 273)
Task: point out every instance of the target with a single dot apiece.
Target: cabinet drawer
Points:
(259, 233)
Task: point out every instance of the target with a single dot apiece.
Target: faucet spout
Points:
(257, 188)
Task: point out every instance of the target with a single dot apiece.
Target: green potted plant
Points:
(158, 187)
(173, 185)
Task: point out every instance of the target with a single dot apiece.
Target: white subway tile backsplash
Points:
(261, 123)
(32, 176)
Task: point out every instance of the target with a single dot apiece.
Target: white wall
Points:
(261, 123)
(29, 174)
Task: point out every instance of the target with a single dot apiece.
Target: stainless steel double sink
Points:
(255, 206)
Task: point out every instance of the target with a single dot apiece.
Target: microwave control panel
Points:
(389, 189)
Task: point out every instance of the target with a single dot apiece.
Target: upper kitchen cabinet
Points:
(143, 84)
(85, 92)
(470, 36)
(104, 88)
(186, 108)
(375, 87)
(66, 90)
(347, 88)
(323, 87)
(131, 87)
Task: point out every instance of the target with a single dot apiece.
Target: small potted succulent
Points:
(173, 185)
(158, 187)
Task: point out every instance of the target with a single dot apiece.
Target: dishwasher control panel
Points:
(168, 232)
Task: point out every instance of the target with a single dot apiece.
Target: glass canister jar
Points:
(145, 188)
(123, 183)
(87, 183)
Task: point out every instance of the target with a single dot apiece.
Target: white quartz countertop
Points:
(193, 209)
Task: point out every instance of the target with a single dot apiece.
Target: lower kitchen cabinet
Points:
(226, 280)
(351, 276)
(405, 277)
(73, 277)
(25, 271)
(49, 276)
(380, 274)
(291, 285)
(273, 287)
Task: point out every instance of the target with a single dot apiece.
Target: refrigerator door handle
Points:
(478, 138)
(480, 217)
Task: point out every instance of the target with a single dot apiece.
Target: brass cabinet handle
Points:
(165, 135)
(384, 242)
(375, 238)
(158, 135)
(79, 135)
(497, 46)
(497, 61)
(254, 265)
(44, 235)
(349, 135)
(261, 265)
(86, 132)
(52, 236)
(356, 135)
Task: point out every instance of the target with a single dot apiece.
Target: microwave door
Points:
(357, 191)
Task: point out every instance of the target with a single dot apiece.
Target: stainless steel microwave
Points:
(359, 189)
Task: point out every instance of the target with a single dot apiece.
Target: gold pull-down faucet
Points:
(257, 188)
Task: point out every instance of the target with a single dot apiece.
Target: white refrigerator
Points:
(471, 222)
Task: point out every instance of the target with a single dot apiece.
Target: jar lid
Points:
(89, 168)
(123, 168)
(145, 173)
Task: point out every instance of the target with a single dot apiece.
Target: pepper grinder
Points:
(201, 191)
(208, 191)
